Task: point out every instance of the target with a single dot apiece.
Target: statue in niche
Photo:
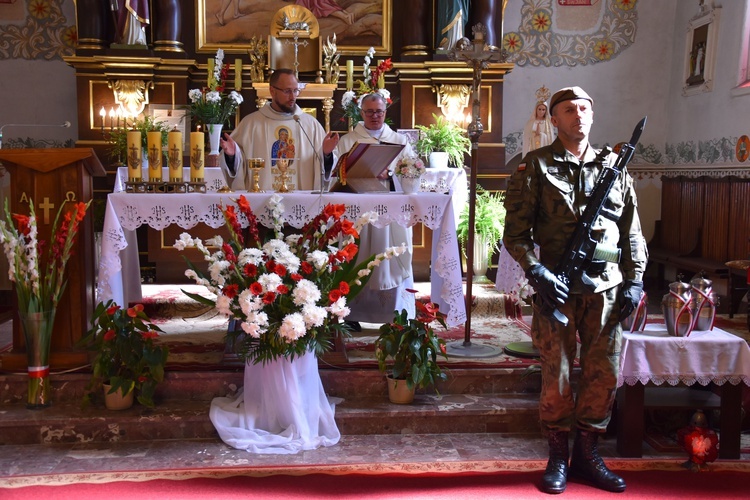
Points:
(452, 16)
(132, 16)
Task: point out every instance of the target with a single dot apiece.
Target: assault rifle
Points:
(582, 250)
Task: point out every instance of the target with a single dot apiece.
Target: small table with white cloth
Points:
(653, 357)
(119, 274)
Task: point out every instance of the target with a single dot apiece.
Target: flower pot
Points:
(439, 159)
(115, 400)
(410, 185)
(399, 391)
(37, 330)
(214, 134)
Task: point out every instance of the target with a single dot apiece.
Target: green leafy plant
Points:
(412, 346)
(118, 138)
(126, 356)
(443, 136)
(489, 219)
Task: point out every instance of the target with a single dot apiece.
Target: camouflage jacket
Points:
(546, 196)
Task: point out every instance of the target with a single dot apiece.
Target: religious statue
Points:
(131, 16)
(257, 51)
(538, 131)
(451, 16)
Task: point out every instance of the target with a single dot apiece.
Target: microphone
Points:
(315, 154)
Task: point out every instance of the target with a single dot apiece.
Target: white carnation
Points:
(292, 327)
(306, 292)
(314, 315)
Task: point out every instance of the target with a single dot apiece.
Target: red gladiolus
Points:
(23, 223)
(280, 270)
(350, 251)
(231, 291)
(229, 252)
(256, 288)
(269, 297)
(334, 295)
(347, 227)
(109, 335)
(335, 211)
(251, 270)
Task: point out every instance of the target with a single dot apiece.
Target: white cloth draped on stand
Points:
(282, 409)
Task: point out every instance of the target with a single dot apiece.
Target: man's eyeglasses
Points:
(288, 92)
(374, 112)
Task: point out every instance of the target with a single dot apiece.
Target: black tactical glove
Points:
(629, 297)
(552, 291)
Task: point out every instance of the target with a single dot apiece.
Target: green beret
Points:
(568, 94)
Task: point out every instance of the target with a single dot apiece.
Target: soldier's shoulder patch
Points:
(521, 167)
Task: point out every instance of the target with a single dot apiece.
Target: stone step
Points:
(470, 401)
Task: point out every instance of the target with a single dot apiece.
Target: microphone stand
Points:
(315, 155)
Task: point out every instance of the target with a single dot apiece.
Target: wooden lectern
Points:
(51, 177)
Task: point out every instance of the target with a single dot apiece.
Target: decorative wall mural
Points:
(44, 33)
(550, 34)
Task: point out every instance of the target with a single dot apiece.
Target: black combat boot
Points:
(588, 465)
(556, 474)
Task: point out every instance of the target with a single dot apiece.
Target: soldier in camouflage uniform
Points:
(545, 197)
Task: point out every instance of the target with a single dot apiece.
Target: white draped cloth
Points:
(282, 409)
(386, 291)
(259, 135)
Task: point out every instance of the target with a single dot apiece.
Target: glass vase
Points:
(37, 330)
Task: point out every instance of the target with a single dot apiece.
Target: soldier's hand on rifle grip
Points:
(553, 291)
(629, 297)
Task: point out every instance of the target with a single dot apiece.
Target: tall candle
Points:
(197, 155)
(349, 74)
(174, 155)
(381, 77)
(134, 156)
(154, 156)
(210, 78)
(238, 74)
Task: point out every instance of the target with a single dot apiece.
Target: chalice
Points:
(256, 165)
(282, 164)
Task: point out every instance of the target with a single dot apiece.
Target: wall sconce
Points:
(452, 101)
(131, 95)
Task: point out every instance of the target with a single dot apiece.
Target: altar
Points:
(119, 275)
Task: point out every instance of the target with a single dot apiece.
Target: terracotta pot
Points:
(399, 391)
(116, 401)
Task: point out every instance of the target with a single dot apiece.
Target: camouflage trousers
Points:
(594, 317)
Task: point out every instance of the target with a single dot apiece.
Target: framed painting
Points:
(358, 24)
(700, 50)
(174, 118)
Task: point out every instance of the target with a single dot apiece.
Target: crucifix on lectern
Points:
(477, 55)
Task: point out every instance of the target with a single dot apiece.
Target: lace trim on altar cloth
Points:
(645, 378)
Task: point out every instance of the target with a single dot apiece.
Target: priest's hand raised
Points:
(227, 144)
(330, 141)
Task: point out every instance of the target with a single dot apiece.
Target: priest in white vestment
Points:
(386, 290)
(280, 129)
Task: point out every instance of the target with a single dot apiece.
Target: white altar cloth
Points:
(127, 211)
(702, 357)
(281, 409)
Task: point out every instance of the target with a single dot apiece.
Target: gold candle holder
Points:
(256, 165)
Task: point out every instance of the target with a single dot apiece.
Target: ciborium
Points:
(256, 165)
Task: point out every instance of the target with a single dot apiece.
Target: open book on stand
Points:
(359, 169)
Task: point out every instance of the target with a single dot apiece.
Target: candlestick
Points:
(119, 116)
(197, 156)
(134, 156)
(349, 74)
(154, 156)
(238, 74)
(174, 155)
(111, 118)
(210, 78)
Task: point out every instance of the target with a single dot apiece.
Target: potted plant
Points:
(118, 138)
(413, 347)
(489, 222)
(126, 358)
(443, 136)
